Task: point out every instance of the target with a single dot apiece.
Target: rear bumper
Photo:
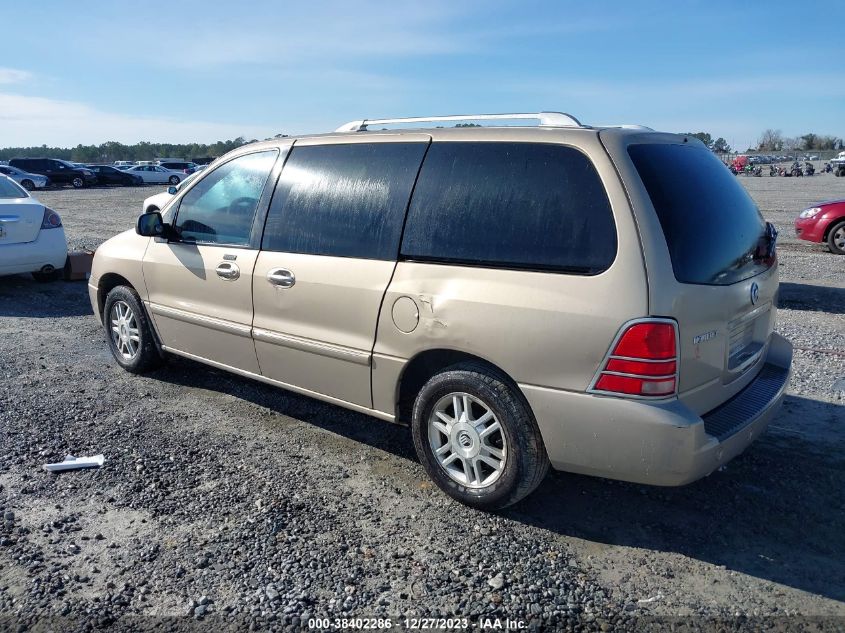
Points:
(663, 444)
(48, 249)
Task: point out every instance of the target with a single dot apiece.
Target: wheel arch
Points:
(830, 225)
(108, 282)
(422, 367)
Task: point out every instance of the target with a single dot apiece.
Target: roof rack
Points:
(546, 119)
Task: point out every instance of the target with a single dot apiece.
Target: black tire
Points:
(77, 183)
(147, 356)
(526, 462)
(28, 184)
(174, 180)
(44, 278)
(836, 233)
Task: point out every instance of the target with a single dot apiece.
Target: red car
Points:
(824, 223)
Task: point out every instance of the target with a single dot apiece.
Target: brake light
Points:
(51, 219)
(643, 362)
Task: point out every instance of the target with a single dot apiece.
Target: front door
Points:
(200, 287)
(329, 251)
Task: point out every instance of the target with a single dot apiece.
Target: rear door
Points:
(200, 287)
(20, 215)
(329, 250)
(713, 273)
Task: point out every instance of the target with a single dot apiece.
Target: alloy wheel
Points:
(467, 440)
(124, 330)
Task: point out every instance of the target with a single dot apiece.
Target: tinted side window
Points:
(221, 207)
(343, 200)
(514, 205)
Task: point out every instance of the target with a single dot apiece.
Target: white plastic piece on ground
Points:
(73, 463)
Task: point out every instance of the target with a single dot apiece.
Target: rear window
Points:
(8, 189)
(510, 205)
(712, 227)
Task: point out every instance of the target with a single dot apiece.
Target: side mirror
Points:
(152, 225)
(172, 190)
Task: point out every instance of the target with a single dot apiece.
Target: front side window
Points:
(343, 200)
(532, 206)
(220, 208)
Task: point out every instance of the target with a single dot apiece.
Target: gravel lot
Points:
(241, 505)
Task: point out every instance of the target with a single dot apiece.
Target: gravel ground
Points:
(225, 503)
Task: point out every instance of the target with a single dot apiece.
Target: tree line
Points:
(112, 151)
(774, 141)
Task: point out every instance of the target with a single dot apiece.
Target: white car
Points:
(159, 200)
(24, 179)
(155, 174)
(32, 239)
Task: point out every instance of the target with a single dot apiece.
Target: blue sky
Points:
(201, 71)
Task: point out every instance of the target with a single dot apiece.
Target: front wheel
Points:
(129, 332)
(28, 184)
(174, 180)
(476, 437)
(836, 239)
(77, 183)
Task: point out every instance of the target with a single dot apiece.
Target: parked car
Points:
(25, 179)
(108, 175)
(186, 167)
(60, 172)
(158, 202)
(600, 300)
(32, 239)
(156, 175)
(823, 223)
(122, 163)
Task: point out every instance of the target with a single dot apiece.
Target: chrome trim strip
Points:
(314, 347)
(277, 383)
(221, 325)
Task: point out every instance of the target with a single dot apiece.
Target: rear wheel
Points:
(129, 331)
(77, 183)
(28, 184)
(836, 239)
(174, 180)
(476, 437)
(46, 277)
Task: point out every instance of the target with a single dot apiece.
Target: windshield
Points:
(713, 229)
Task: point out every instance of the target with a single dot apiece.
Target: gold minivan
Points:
(601, 300)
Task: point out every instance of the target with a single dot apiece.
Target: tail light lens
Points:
(643, 361)
(51, 219)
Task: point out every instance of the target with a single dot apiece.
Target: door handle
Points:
(228, 271)
(281, 277)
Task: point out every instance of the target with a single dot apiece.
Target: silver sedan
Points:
(25, 179)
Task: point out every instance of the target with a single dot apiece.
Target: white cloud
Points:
(14, 76)
(30, 121)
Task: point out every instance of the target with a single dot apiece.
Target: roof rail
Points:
(546, 119)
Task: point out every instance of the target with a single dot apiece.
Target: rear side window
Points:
(712, 227)
(512, 205)
(343, 200)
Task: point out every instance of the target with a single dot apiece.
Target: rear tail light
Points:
(51, 219)
(643, 361)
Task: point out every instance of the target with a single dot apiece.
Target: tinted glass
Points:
(221, 207)
(519, 205)
(9, 189)
(712, 227)
(343, 200)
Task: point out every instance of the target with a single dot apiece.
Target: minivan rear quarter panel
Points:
(544, 329)
(706, 314)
